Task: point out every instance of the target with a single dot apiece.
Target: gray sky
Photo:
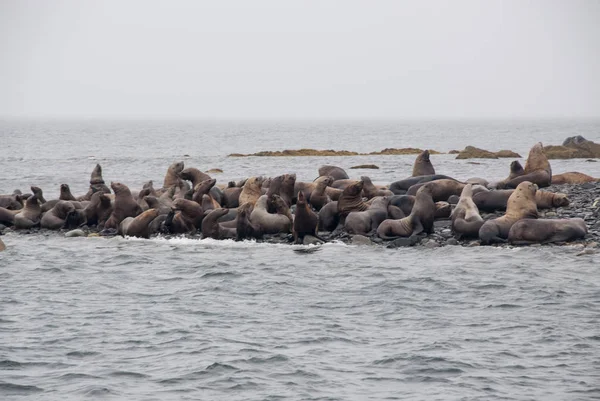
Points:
(301, 59)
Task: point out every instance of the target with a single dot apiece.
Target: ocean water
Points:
(183, 318)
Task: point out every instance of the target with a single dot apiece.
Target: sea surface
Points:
(189, 319)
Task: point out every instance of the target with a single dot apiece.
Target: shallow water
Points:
(184, 318)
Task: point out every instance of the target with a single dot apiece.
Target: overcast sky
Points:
(302, 59)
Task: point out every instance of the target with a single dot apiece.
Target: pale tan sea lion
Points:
(531, 231)
(465, 217)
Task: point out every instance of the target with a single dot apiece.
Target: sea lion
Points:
(423, 165)
(419, 220)
(404, 202)
(55, 218)
(537, 170)
(441, 190)
(521, 205)
(193, 175)
(531, 231)
(211, 227)
(367, 221)
(342, 184)
(572, 177)
(163, 203)
(203, 188)
(283, 186)
(178, 223)
(337, 173)
(172, 176)
(395, 213)
(516, 170)
(329, 218)
(124, 206)
(318, 197)
(306, 221)
(400, 187)
(138, 226)
(31, 213)
(251, 190)
(37, 191)
(245, 227)
(370, 190)
(208, 203)
(492, 201)
(351, 199)
(65, 193)
(7, 216)
(96, 176)
(11, 202)
(191, 210)
(465, 217)
(99, 209)
(442, 210)
(271, 223)
(231, 197)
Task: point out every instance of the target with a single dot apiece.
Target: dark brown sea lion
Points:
(351, 200)
(231, 197)
(203, 188)
(208, 203)
(37, 191)
(31, 213)
(531, 231)
(521, 205)
(190, 210)
(572, 178)
(7, 216)
(283, 186)
(96, 176)
(99, 210)
(441, 190)
(337, 173)
(400, 187)
(423, 165)
(271, 223)
(245, 228)
(193, 175)
(420, 219)
(442, 210)
(55, 218)
(124, 206)
(306, 221)
(11, 202)
(395, 213)
(465, 217)
(251, 190)
(172, 176)
(404, 202)
(367, 221)
(537, 170)
(370, 190)
(211, 227)
(342, 184)
(329, 218)
(65, 193)
(138, 226)
(178, 223)
(318, 197)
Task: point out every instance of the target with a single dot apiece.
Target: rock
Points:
(75, 233)
(471, 152)
(214, 171)
(474, 243)
(592, 161)
(550, 214)
(371, 166)
(431, 244)
(586, 252)
(310, 240)
(2, 246)
(2, 227)
(454, 152)
(572, 148)
(360, 240)
(452, 241)
(593, 244)
(93, 235)
(402, 242)
(508, 153)
(403, 151)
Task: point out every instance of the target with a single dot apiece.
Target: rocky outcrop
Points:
(575, 147)
(471, 152)
(361, 166)
(331, 152)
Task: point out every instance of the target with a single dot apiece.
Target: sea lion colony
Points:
(332, 206)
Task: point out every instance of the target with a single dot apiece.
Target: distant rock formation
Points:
(574, 147)
(471, 152)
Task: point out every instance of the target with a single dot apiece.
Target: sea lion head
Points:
(467, 191)
(354, 189)
(177, 168)
(206, 185)
(424, 155)
(37, 191)
(560, 200)
(279, 204)
(301, 201)
(289, 180)
(64, 188)
(119, 188)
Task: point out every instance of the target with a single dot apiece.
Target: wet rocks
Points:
(2, 246)
(75, 233)
(471, 152)
(572, 148)
(360, 240)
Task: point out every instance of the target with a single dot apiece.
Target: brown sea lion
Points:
(342, 184)
(178, 223)
(11, 202)
(442, 210)
(65, 193)
(245, 228)
(203, 188)
(404, 202)
(306, 221)
(441, 190)
(211, 227)
(190, 209)
(465, 217)
(549, 200)
(138, 226)
(329, 218)
(161, 204)
(7, 216)
(251, 190)
(318, 197)
(172, 176)
(99, 209)
(283, 186)
(532, 231)
(231, 197)
(420, 219)
(55, 218)
(31, 213)
(521, 205)
(367, 221)
(193, 175)
(537, 170)
(124, 206)
(208, 203)
(271, 223)
(37, 191)
(370, 190)
(572, 178)
(96, 176)
(423, 165)
(351, 200)
(337, 173)
(400, 187)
